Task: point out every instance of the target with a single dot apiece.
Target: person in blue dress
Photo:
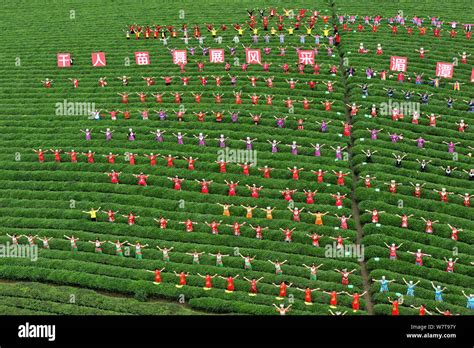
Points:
(410, 287)
(438, 292)
(383, 283)
(450, 101)
(470, 300)
(470, 104)
(425, 97)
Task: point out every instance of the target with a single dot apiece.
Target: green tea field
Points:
(246, 157)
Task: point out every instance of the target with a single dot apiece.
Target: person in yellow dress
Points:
(325, 32)
(240, 31)
(225, 207)
(319, 217)
(268, 211)
(249, 210)
(92, 213)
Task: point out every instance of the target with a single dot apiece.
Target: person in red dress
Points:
(204, 185)
(157, 272)
(266, 171)
(111, 216)
(152, 157)
(422, 310)
(253, 285)
(333, 299)
(141, 179)
(176, 182)
(190, 161)
(282, 289)
(114, 176)
(90, 156)
(124, 97)
(307, 295)
(339, 199)
(131, 218)
(230, 283)
(345, 275)
(254, 189)
(169, 160)
(395, 304)
(182, 279)
(355, 300)
(340, 177)
(232, 187)
(188, 225)
(222, 166)
(208, 280)
(40, 154)
(57, 154)
(295, 172)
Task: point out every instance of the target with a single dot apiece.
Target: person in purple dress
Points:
(180, 138)
(338, 150)
(369, 72)
(131, 134)
(374, 132)
(294, 148)
(191, 50)
(205, 50)
(234, 116)
(451, 146)
(201, 139)
(324, 125)
(420, 142)
(274, 144)
(158, 135)
(248, 142)
(108, 134)
(394, 137)
(161, 114)
(317, 149)
(221, 140)
(233, 80)
(231, 50)
(88, 133)
(280, 121)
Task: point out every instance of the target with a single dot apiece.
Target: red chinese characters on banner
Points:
(216, 55)
(180, 57)
(98, 59)
(253, 56)
(63, 60)
(398, 63)
(142, 58)
(444, 69)
(306, 57)
(472, 75)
